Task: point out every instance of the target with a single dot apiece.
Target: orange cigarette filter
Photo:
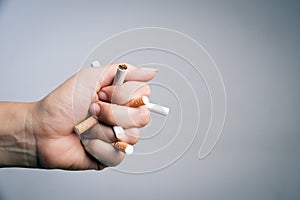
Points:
(85, 125)
(124, 147)
(140, 101)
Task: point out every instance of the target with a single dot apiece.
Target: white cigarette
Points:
(91, 121)
(123, 146)
(158, 109)
(120, 75)
(151, 106)
(119, 80)
(119, 132)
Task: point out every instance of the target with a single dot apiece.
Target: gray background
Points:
(256, 47)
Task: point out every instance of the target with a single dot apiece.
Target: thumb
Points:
(95, 108)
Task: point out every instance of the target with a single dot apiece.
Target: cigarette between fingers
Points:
(158, 109)
(124, 147)
(85, 125)
(143, 100)
(119, 80)
(140, 101)
(118, 130)
(91, 121)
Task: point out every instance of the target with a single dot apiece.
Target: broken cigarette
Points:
(85, 125)
(91, 121)
(118, 130)
(158, 109)
(123, 146)
(120, 75)
(119, 80)
(140, 101)
(143, 100)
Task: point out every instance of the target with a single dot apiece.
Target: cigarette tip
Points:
(123, 67)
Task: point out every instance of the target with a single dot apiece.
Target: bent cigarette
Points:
(123, 146)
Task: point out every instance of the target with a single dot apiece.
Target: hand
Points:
(57, 146)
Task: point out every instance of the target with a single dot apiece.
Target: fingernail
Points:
(95, 109)
(103, 96)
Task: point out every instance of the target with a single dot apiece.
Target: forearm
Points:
(17, 142)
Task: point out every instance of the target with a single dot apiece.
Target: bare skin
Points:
(40, 134)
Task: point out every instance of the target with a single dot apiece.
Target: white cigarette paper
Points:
(119, 132)
(120, 75)
(91, 121)
(155, 107)
(158, 109)
(119, 80)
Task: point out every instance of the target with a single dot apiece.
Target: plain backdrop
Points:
(256, 46)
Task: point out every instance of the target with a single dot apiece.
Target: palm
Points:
(58, 146)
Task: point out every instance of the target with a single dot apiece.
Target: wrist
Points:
(17, 141)
(31, 153)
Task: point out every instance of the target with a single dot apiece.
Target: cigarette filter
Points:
(122, 146)
(141, 101)
(85, 125)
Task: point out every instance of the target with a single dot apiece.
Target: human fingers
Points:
(123, 93)
(134, 73)
(126, 117)
(106, 134)
(94, 78)
(141, 74)
(103, 152)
